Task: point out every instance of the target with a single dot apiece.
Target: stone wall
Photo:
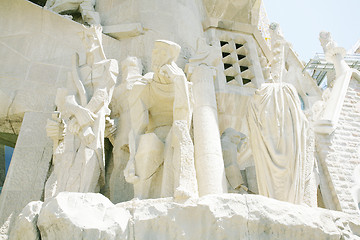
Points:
(339, 152)
(178, 21)
(36, 46)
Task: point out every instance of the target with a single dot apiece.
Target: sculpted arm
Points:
(139, 118)
(182, 104)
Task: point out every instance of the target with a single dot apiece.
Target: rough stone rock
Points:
(235, 216)
(82, 216)
(226, 216)
(25, 225)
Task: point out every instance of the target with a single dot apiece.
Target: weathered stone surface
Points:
(233, 216)
(25, 225)
(82, 216)
(226, 216)
(28, 169)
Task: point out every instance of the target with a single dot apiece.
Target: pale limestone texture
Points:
(227, 216)
(120, 189)
(278, 130)
(339, 154)
(330, 115)
(79, 132)
(25, 227)
(337, 139)
(209, 164)
(25, 179)
(40, 44)
(82, 216)
(167, 127)
(161, 159)
(231, 142)
(84, 7)
(279, 149)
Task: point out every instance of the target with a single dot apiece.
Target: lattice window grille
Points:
(237, 65)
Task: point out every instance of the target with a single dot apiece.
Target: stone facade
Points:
(339, 152)
(195, 78)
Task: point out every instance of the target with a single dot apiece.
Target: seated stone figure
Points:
(79, 129)
(161, 159)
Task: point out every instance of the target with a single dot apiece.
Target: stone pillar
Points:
(209, 163)
(28, 170)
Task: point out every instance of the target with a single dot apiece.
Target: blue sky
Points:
(8, 154)
(302, 20)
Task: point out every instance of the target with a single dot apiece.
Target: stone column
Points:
(28, 170)
(209, 163)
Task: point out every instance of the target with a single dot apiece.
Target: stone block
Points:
(123, 30)
(88, 216)
(29, 166)
(25, 225)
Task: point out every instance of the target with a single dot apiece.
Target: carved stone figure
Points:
(84, 7)
(329, 116)
(278, 47)
(161, 151)
(231, 141)
(278, 141)
(79, 156)
(278, 129)
(120, 190)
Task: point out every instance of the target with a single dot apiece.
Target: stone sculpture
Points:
(161, 150)
(84, 7)
(278, 46)
(278, 149)
(278, 134)
(131, 69)
(78, 160)
(329, 116)
(35, 44)
(231, 141)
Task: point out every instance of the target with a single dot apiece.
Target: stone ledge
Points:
(227, 216)
(121, 31)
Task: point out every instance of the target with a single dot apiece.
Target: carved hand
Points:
(129, 172)
(54, 129)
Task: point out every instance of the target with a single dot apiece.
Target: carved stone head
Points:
(164, 52)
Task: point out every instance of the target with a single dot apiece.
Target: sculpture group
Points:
(78, 127)
(167, 127)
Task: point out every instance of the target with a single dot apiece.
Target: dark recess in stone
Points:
(229, 78)
(39, 2)
(227, 65)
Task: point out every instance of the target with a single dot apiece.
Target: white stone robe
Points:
(278, 139)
